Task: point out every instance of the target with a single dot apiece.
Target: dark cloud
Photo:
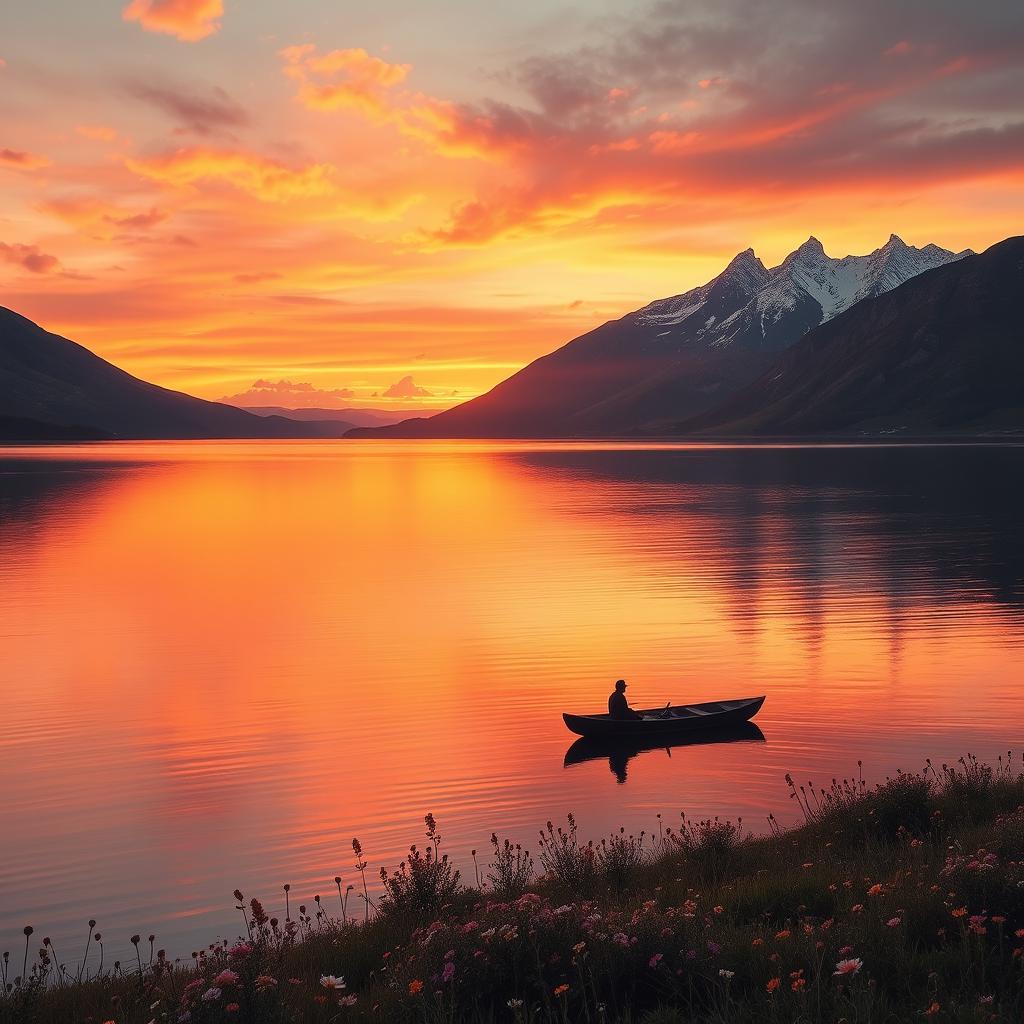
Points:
(784, 98)
(213, 112)
(31, 257)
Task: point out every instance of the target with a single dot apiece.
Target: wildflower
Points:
(719, 910)
(998, 919)
(348, 1000)
(226, 977)
(958, 912)
(265, 982)
(232, 1008)
(561, 990)
(932, 1010)
(714, 948)
(514, 1004)
(809, 864)
(1019, 933)
(773, 984)
(876, 890)
(415, 987)
(655, 960)
(857, 908)
(448, 973)
(331, 982)
(240, 950)
(986, 1000)
(848, 967)
(579, 947)
(784, 934)
(798, 984)
(723, 973)
(211, 995)
(893, 922)
(758, 942)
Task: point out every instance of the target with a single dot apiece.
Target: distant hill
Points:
(351, 417)
(53, 381)
(942, 353)
(680, 356)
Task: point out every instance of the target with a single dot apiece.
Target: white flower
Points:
(514, 1004)
(723, 973)
(330, 981)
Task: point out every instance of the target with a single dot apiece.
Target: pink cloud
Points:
(187, 20)
(406, 388)
(21, 160)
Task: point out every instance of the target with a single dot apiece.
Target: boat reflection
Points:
(621, 752)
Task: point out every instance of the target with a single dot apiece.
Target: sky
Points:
(399, 204)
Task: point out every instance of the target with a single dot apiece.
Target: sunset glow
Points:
(400, 205)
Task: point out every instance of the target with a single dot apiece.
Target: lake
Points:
(222, 661)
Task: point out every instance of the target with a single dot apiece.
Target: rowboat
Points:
(673, 720)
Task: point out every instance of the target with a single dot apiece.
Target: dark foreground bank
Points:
(897, 903)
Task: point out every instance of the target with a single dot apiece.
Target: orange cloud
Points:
(101, 219)
(98, 132)
(187, 20)
(343, 78)
(31, 257)
(21, 160)
(366, 85)
(265, 179)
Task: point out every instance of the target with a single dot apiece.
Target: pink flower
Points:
(232, 1008)
(655, 960)
(893, 922)
(211, 995)
(242, 949)
(348, 1000)
(226, 977)
(449, 972)
(848, 968)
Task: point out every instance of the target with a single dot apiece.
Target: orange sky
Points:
(332, 202)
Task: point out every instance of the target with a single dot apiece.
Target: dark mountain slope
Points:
(943, 352)
(47, 378)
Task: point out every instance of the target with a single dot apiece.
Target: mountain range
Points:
(903, 340)
(681, 356)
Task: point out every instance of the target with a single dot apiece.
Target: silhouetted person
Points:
(618, 706)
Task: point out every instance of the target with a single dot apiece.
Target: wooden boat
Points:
(673, 720)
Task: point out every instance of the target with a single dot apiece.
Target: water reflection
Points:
(620, 752)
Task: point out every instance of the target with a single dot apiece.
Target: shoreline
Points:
(900, 900)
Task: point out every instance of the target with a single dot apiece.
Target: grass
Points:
(898, 902)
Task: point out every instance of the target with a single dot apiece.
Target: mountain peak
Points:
(812, 247)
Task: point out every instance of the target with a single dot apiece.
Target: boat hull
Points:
(686, 719)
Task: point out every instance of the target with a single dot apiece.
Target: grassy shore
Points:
(891, 903)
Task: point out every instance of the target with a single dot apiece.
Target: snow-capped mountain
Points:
(805, 290)
(680, 356)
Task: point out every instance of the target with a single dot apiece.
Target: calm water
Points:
(220, 662)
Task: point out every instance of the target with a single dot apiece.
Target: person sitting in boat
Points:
(618, 706)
